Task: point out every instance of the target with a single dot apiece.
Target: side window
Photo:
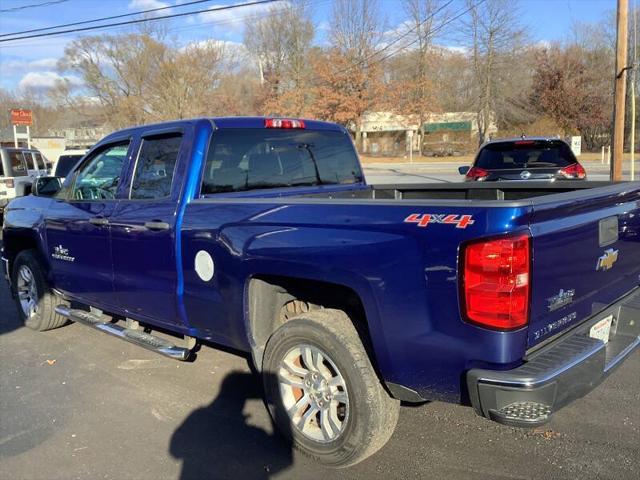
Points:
(18, 164)
(98, 178)
(39, 161)
(155, 167)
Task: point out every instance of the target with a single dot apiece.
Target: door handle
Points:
(100, 221)
(157, 225)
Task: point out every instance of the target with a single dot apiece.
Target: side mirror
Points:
(46, 186)
(463, 170)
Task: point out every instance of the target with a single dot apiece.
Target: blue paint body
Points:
(406, 277)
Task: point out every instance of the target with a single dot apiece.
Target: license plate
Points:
(602, 329)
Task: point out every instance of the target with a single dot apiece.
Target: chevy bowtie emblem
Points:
(606, 261)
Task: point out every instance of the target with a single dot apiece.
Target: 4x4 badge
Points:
(606, 261)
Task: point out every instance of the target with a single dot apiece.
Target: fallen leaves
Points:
(546, 434)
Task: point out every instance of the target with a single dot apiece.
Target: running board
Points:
(146, 340)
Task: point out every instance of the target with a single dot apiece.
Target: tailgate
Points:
(586, 254)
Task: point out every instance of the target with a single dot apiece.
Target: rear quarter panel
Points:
(405, 275)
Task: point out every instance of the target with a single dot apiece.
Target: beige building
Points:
(387, 133)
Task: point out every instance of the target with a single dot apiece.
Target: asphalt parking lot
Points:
(75, 403)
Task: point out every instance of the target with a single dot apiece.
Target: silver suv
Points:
(19, 167)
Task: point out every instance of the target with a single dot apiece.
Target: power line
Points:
(435, 30)
(395, 52)
(84, 22)
(34, 5)
(142, 20)
(386, 47)
(440, 27)
(244, 19)
(414, 28)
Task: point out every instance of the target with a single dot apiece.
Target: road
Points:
(442, 171)
(75, 403)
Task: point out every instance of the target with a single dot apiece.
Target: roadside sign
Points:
(21, 117)
(576, 145)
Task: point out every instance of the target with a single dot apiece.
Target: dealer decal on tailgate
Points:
(424, 219)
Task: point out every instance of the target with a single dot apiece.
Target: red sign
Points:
(21, 117)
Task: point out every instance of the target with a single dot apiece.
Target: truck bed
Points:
(504, 191)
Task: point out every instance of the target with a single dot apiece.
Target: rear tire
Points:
(332, 406)
(35, 301)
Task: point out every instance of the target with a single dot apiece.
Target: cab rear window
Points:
(248, 159)
(528, 154)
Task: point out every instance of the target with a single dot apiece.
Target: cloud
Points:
(233, 20)
(142, 5)
(20, 66)
(146, 4)
(460, 49)
(48, 79)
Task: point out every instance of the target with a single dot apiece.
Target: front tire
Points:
(322, 391)
(35, 301)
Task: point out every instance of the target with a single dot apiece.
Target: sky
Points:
(32, 62)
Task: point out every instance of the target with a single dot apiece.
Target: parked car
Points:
(18, 168)
(262, 235)
(538, 158)
(67, 161)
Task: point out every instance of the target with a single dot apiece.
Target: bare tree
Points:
(494, 38)
(186, 81)
(355, 35)
(281, 43)
(426, 18)
(140, 77)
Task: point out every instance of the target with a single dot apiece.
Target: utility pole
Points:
(620, 90)
(632, 140)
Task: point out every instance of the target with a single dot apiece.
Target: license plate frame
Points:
(602, 329)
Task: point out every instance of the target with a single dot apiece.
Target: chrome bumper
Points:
(559, 373)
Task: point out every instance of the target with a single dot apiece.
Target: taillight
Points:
(575, 170)
(496, 280)
(283, 123)
(8, 182)
(477, 173)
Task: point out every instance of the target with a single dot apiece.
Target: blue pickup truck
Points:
(261, 234)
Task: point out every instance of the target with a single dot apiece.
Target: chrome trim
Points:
(138, 338)
(7, 275)
(597, 347)
(622, 355)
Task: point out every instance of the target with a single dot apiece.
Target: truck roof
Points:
(224, 123)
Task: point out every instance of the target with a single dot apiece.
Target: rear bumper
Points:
(566, 369)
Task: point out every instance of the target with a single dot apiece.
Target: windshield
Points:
(246, 159)
(65, 164)
(528, 154)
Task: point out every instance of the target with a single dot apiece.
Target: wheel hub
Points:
(314, 393)
(319, 391)
(27, 291)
